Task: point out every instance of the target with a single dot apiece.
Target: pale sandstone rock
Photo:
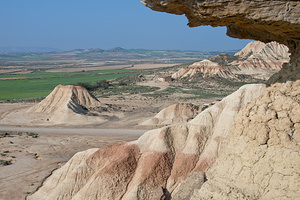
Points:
(261, 157)
(160, 158)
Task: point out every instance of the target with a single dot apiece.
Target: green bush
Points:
(102, 84)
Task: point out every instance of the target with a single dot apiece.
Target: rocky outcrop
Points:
(176, 113)
(173, 158)
(66, 103)
(261, 157)
(265, 21)
(260, 56)
(204, 68)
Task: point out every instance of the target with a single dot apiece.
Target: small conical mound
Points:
(67, 104)
(66, 98)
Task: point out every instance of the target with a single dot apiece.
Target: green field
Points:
(42, 83)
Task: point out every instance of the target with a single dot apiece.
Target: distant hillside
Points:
(257, 59)
(27, 49)
(204, 68)
(258, 55)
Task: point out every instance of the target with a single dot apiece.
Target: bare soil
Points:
(31, 157)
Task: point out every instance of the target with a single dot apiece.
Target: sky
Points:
(105, 24)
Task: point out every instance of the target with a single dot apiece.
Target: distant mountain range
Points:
(27, 49)
(4, 49)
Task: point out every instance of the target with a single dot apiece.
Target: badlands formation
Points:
(160, 158)
(205, 68)
(257, 59)
(68, 98)
(68, 104)
(258, 55)
(244, 147)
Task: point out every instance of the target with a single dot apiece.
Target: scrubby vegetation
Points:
(122, 85)
(2, 135)
(33, 135)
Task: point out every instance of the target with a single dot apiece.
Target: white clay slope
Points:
(204, 68)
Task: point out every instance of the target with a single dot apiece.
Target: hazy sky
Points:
(70, 24)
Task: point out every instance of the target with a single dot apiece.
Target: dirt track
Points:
(51, 131)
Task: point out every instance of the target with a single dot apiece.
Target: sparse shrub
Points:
(5, 162)
(33, 135)
(88, 86)
(2, 135)
(102, 84)
(122, 83)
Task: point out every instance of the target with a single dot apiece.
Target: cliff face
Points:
(261, 157)
(259, 20)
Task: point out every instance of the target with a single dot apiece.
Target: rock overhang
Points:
(244, 19)
(261, 20)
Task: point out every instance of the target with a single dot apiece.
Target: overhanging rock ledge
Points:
(259, 20)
